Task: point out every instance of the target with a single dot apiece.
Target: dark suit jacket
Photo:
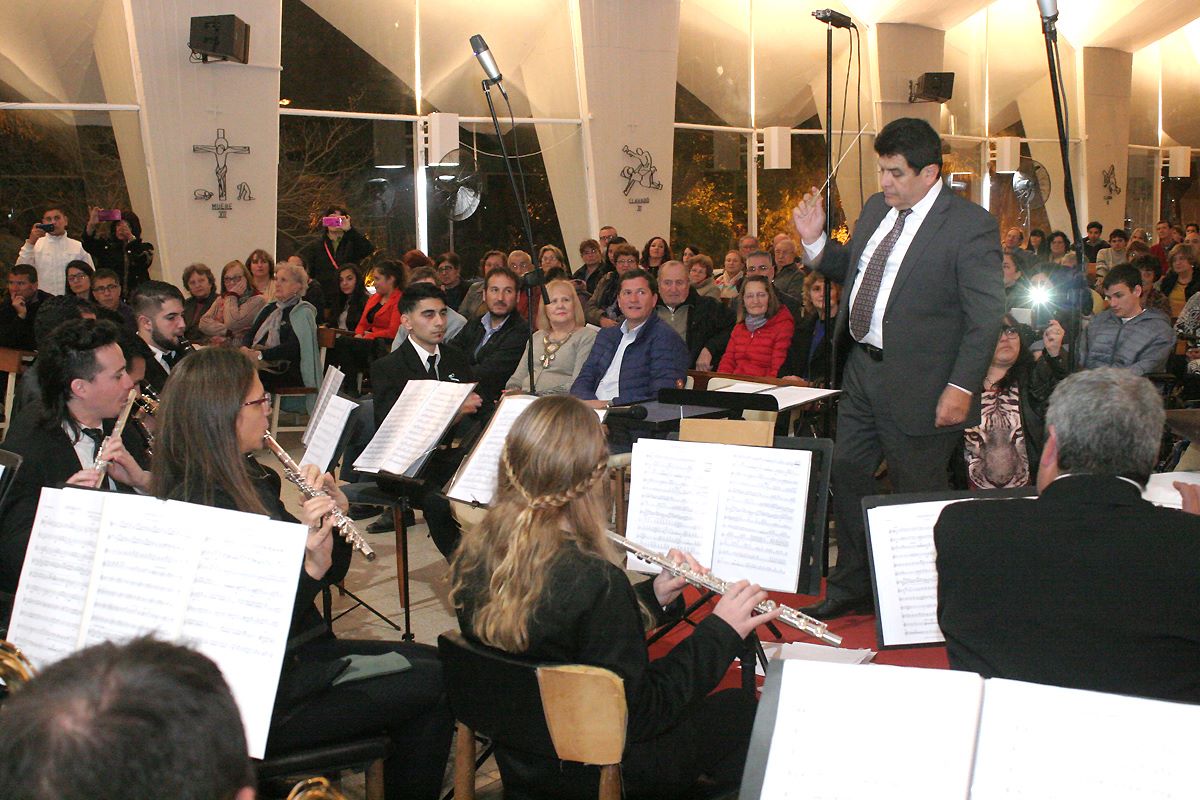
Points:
(156, 376)
(943, 315)
(48, 460)
(708, 325)
(16, 332)
(390, 374)
(497, 360)
(1087, 586)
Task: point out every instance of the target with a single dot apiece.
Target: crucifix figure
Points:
(220, 148)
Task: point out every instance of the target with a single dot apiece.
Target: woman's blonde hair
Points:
(546, 496)
(543, 318)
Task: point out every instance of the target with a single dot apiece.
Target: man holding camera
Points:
(50, 250)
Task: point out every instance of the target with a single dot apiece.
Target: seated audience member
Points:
(1116, 253)
(118, 246)
(759, 343)
(602, 308)
(1003, 451)
(141, 719)
(347, 307)
(80, 275)
(49, 252)
(1182, 278)
(81, 370)
(593, 264)
(747, 245)
(283, 340)
(231, 315)
(494, 342)
(551, 258)
(1061, 251)
(537, 580)
(521, 263)
(561, 344)
(159, 309)
(449, 273)
(1147, 266)
(314, 293)
(376, 328)
(730, 279)
(789, 272)
(1127, 335)
(1088, 586)
(702, 322)
(656, 253)
(472, 305)
(806, 359)
(201, 285)
(455, 321)
(700, 274)
(689, 252)
(18, 315)
(1024, 259)
(424, 355)
(630, 363)
(1016, 285)
(262, 273)
(339, 243)
(1093, 243)
(760, 263)
(212, 418)
(53, 312)
(106, 289)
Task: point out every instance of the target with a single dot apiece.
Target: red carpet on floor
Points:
(857, 632)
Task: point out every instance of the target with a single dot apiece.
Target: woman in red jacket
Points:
(377, 326)
(760, 340)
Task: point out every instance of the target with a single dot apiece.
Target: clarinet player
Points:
(537, 579)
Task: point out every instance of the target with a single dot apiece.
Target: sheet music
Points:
(424, 432)
(1161, 491)
(48, 612)
(743, 387)
(248, 584)
(917, 725)
(792, 396)
(760, 529)
(476, 481)
(900, 540)
(395, 425)
(673, 498)
(330, 385)
(1040, 741)
(805, 651)
(328, 432)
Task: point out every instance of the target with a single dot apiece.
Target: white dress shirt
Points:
(610, 385)
(425, 354)
(50, 255)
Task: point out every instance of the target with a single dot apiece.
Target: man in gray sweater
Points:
(1125, 334)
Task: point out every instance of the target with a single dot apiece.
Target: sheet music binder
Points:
(412, 396)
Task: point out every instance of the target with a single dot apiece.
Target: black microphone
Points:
(625, 412)
(485, 59)
(839, 20)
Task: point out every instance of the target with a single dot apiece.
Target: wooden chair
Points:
(568, 712)
(326, 336)
(277, 400)
(13, 364)
(361, 755)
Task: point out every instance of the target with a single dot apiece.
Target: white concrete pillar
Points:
(1105, 159)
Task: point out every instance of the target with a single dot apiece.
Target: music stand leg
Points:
(402, 565)
(687, 612)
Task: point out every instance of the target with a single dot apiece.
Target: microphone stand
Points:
(536, 277)
(827, 344)
(1073, 298)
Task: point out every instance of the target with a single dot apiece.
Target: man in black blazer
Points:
(160, 326)
(423, 356)
(84, 386)
(702, 322)
(1088, 586)
(922, 299)
(495, 342)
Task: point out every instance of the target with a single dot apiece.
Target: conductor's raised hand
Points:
(809, 216)
(736, 607)
(667, 586)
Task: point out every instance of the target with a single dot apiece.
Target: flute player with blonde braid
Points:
(537, 578)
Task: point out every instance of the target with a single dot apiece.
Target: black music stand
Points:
(371, 494)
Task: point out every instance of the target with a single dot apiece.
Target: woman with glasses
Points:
(449, 277)
(213, 416)
(232, 314)
(1003, 451)
(79, 280)
(758, 346)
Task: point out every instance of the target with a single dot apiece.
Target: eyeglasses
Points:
(1008, 331)
(233, 278)
(265, 399)
(108, 287)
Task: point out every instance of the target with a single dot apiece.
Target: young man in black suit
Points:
(495, 342)
(18, 315)
(1088, 586)
(160, 326)
(423, 356)
(84, 387)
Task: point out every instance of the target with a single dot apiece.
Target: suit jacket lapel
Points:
(930, 229)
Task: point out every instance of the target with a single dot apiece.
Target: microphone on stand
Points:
(625, 412)
(1049, 11)
(835, 18)
(479, 46)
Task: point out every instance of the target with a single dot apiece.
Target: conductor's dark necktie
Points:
(868, 290)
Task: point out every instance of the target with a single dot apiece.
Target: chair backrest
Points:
(570, 712)
(326, 337)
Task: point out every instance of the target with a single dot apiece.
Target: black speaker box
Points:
(223, 37)
(935, 86)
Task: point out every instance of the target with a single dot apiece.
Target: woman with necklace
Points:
(561, 343)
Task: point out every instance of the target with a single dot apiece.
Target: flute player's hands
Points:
(666, 586)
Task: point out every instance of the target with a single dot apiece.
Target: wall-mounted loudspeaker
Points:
(931, 87)
(220, 38)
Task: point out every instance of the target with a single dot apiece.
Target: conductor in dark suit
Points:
(1087, 586)
(495, 342)
(84, 386)
(423, 356)
(922, 298)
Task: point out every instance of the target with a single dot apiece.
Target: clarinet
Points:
(99, 464)
(797, 619)
(344, 525)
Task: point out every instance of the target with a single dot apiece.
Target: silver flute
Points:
(100, 464)
(344, 525)
(797, 619)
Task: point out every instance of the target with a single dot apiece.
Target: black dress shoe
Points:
(384, 524)
(362, 511)
(839, 607)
